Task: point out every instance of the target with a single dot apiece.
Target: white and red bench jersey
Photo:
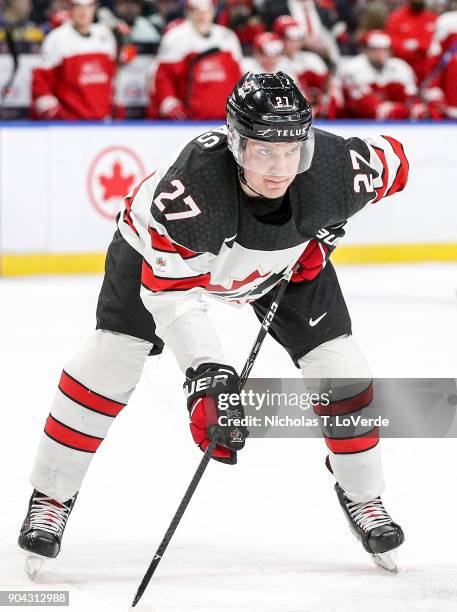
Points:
(190, 222)
(444, 41)
(75, 77)
(445, 33)
(195, 72)
(372, 93)
(311, 70)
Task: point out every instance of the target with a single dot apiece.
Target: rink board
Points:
(62, 185)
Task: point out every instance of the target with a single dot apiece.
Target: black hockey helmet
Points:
(269, 108)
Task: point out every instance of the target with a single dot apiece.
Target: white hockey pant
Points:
(95, 386)
(98, 381)
(355, 461)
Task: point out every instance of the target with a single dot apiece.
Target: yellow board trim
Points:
(93, 263)
(47, 263)
(395, 253)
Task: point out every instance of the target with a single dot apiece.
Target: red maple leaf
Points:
(116, 185)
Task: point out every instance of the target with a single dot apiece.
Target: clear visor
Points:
(272, 158)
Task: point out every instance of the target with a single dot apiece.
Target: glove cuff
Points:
(209, 367)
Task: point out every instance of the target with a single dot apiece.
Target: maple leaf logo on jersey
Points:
(160, 262)
(236, 289)
(116, 185)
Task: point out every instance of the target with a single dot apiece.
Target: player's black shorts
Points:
(298, 324)
(120, 308)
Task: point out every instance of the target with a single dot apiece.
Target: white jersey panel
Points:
(184, 39)
(65, 42)
(306, 61)
(359, 74)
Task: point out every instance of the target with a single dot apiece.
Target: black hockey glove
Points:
(214, 404)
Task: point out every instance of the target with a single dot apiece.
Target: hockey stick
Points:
(209, 451)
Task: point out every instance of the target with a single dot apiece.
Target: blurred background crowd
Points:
(179, 59)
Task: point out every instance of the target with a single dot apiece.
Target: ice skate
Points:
(42, 530)
(372, 525)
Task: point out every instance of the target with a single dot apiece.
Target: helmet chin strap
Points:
(244, 181)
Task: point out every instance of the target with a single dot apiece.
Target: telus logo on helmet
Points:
(281, 133)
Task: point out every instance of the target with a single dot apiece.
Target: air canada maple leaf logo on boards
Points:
(116, 185)
(112, 174)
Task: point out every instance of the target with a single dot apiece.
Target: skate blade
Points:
(387, 560)
(33, 564)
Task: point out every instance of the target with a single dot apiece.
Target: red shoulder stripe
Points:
(162, 243)
(128, 219)
(128, 205)
(159, 283)
(402, 173)
(381, 191)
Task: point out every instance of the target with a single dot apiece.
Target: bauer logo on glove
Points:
(197, 385)
(203, 388)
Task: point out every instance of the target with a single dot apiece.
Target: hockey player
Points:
(229, 216)
(198, 65)
(75, 79)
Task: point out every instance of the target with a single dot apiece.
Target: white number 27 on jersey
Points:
(180, 190)
(361, 178)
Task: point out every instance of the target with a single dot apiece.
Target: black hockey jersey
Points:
(197, 237)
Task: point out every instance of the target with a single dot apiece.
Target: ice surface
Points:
(266, 535)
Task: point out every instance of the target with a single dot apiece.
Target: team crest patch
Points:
(160, 262)
(236, 436)
(246, 88)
